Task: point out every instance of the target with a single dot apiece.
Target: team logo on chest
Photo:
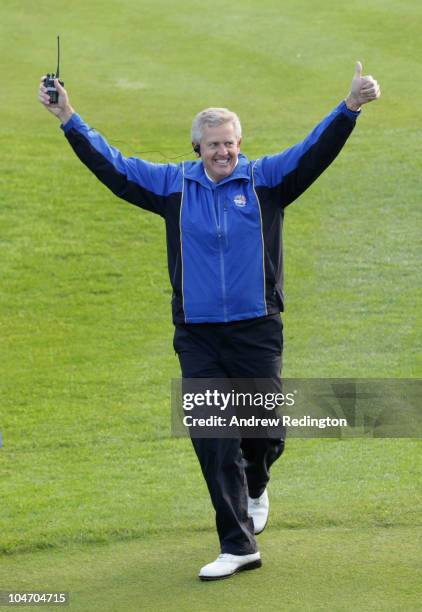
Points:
(239, 200)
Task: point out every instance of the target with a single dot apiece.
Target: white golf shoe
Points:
(258, 509)
(226, 565)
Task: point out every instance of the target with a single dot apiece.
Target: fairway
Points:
(97, 498)
(343, 569)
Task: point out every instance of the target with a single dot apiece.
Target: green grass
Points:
(344, 569)
(92, 486)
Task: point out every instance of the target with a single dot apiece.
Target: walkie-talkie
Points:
(49, 80)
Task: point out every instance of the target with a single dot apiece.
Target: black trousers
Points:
(233, 468)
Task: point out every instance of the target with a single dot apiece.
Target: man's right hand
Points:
(62, 110)
(364, 89)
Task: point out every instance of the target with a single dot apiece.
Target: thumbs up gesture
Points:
(364, 89)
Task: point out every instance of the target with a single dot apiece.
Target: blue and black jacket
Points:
(224, 240)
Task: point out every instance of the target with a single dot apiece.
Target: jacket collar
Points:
(195, 172)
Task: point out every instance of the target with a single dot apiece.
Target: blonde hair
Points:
(213, 117)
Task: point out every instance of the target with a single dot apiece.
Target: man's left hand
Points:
(364, 89)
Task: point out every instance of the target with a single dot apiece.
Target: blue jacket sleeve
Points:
(296, 168)
(140, 182)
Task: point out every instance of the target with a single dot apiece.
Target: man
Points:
(223, 216)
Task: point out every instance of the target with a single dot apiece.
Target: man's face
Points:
(219, 150)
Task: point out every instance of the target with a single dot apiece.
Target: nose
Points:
(222, 149)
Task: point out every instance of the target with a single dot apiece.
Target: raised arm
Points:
(137, 181)
(291, 172)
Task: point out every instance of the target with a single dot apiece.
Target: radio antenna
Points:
(58, 57)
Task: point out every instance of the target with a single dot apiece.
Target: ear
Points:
(196, 147)
(238, 143)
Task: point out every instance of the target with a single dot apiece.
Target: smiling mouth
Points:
(222, 162)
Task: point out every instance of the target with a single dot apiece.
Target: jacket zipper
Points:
(220, 238)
